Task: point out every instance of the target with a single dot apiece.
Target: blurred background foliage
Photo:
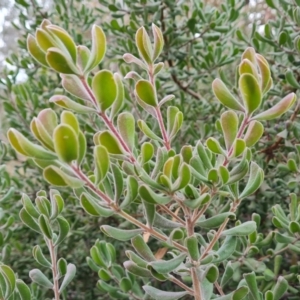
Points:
(203, 40)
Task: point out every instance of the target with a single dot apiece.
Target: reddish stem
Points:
(158, 112)
(162, 128)
(113, 129)
(106, 120)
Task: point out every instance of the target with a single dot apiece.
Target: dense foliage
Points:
(178, 175)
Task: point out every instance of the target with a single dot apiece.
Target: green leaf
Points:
(102, 163)
(250, 54)
(136, 259)
(280, 288)
(252, 284)
(71, 272)
(162, 222)
(82, 147)
(224, 96)
(251, 92)
(150, 196)
(271, 4)
(120, 234)
(147, 131)
(118, 182)
(278, 109)
(136, 270)
(283, 238)
(105, 89)
(10, 280)
(183, 179)
(126, 126)
(157, 68)
(213, 176)
(214, 146)
(203, 155)
(186, 153)
(27, 148)
(62, 267)
(66, 143)
(193, 247)
(254, 133)
(149, 212)
(294, 248)
(92, 207)
(68, 118)
(104, 275)
(35, 51)
(125, 284)
(57, 60)
(158, 42)
(76, 86)
(48, 118)
(39, 257)
(41, 133)
(147, 151)
(247, 67)
(129, 58)
(56, 176)
(109, 141)
(198, 202)
(238, 148)
(215, 221)
(265, 73)
(212, 274)
(28, 220)
(83, 55)
(131, 192)
(30, 208)
(98, 48)
(45, 227)
(23, 289)
(269, 294)
(227, 275)
(118, 103)
(227, 249)
(38, 277)
(229, 122)
(239, 171)
(63, 230)
(65, 38)
(142, 248)
(162, 295)
(291, 79)
(97, 256)
(224, 174)
(238, 294)
(44, 40)
(241, 230)
(146, 93)
(254, 182)
(167, 266)
(142, 41)
(174, 120)
(294, 227)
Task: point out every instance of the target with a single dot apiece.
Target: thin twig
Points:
(181, 284)
(219, 232)
(168, 211)
(54, 270)
(219, 288)
(110, 202)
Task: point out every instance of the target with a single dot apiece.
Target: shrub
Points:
(188, 195)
